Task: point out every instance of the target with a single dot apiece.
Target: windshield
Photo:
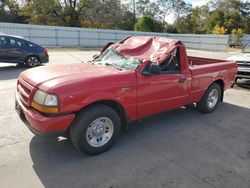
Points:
(246, 50)
(112, 58)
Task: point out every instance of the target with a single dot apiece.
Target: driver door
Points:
(161, 92)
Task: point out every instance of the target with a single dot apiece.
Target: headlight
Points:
(44, 102)
(39, 97)
(51, 100)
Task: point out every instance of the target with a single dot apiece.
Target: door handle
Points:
(182, 80)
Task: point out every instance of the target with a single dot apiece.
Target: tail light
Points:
(45, 51)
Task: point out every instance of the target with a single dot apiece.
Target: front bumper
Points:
(243, 72)
(44, 59)
(40, 124)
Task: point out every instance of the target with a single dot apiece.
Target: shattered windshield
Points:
(112, 58)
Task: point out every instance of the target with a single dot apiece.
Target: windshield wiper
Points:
(110, 64)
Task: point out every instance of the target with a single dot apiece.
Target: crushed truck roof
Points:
(146, 48)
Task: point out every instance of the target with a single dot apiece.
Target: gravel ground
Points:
(181, 148)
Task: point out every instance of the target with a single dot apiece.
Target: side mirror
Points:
(154, 68)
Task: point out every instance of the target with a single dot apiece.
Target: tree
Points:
(72, 10)
(127, 21)
(166, 7)
(170, 28)
(146, 23)
(44, 12)
(158, 26)
(233, 19)
(215, 17)
(146, 7)
(230, 14)
(9, 12)
(111, 13)
(91, 24)
(194, 21)
(180, 8)
(79, 13)
(219, 30)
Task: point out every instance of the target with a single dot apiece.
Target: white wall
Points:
(73, 37)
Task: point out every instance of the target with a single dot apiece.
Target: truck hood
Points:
(240, 57)
(50, 76)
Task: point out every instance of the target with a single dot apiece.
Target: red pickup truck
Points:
(126, 81)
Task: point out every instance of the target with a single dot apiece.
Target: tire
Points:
(32, 61)
(211, 99)
(95, 129)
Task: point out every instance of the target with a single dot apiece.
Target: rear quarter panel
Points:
(204, 75)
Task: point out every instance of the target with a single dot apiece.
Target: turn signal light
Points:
(44, 109)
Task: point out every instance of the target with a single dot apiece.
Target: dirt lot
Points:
(181, 148)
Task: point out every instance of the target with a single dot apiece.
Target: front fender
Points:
(126, 100)
(100, 96)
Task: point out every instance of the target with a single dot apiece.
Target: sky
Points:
(197, 2)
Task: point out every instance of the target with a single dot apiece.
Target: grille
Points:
(25, 92)
(243, 73)
(243, 63)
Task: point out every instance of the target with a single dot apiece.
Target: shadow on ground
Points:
(10, 72)
(181, 148)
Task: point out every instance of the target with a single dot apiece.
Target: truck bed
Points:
(204, 71)
(203, 61)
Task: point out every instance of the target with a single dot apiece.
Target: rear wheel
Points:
(33, 61)
(95, 129)
(211, 99)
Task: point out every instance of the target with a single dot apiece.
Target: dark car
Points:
(15, 49)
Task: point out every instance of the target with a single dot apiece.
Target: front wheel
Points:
(95, 129)
(33, 61)
(211, 99)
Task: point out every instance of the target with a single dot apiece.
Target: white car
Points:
(243, 61)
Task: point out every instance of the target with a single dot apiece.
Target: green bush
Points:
(171, 28)
(148, 24)
(237, 35)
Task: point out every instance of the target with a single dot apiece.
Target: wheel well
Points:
(220, 82)
(116, 106)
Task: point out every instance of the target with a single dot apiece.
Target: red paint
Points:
(80, 85)
(154, 49)
(44, 124)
